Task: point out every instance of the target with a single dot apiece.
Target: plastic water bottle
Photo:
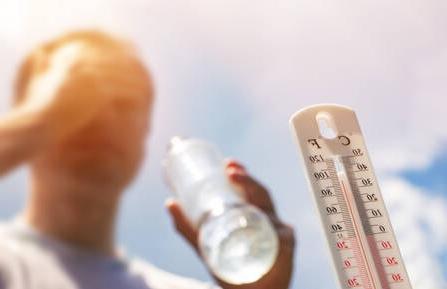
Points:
(236, 240)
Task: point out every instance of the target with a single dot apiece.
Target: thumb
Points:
(181, 222)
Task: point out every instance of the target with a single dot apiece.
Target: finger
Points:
(181, 222)
(284, 263)
(232, 163)
(253, 191)
(286, 235)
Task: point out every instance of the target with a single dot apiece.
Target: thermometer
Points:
(340, 175)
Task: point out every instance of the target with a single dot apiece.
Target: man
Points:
(80, 119)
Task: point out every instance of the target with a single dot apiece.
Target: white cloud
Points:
(420, 223)
(386, 59)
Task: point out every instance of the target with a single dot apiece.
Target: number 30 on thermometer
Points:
(353, 214)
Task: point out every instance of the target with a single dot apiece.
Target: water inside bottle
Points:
(241, 245)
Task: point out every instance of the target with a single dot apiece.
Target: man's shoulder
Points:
(8, 233)
(12, 232)
(11, 263)
(5, 226)
(10, 243)
(160, 279)
(20, 248)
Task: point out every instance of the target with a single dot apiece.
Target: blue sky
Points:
(432, 177)
(234, 71)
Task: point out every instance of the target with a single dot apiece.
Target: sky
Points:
(233, 72)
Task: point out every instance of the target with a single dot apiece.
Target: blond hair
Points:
(37, 61)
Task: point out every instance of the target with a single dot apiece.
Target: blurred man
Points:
(82, 108)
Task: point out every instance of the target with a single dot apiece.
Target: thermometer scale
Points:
(352, 211)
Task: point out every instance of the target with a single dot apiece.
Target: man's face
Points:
(110, 147)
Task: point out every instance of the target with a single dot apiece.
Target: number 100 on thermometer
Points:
(352, 211)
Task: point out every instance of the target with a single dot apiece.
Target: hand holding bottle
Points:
(279, 275)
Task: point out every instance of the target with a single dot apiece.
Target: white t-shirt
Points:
(30, 260)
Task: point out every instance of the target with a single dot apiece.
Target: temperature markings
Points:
(354, 156)
(340, 199)
(350, 263)
(350, 204)
(354, 282)
(359, 197)
(338, 227)
(343, 245)
(378, 229)
(364, 186)
(372, 201)
(316, 158)
(364, 271)
(358, 166)
(385, 245)
(364, 182)
(356, 248)
(321, 175)
(395, 277)
(369, 197)
(327, 193)
(390, 261)
(333, 209)
(373, 213)
(360, 171)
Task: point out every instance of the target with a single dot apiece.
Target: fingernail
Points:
(169, 201)
(235, 164)
(235, 171)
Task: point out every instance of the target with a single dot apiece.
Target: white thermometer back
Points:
(355, 221)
